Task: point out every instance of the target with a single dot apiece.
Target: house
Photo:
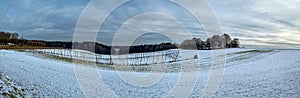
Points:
(10, 44)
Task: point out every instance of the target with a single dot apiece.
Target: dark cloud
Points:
(261, 21)
(41, 19)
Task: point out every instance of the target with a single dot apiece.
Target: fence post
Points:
(110, 59)
(126, 59)
(96, 58)
(141, 58)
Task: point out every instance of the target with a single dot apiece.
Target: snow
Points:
(188, 54)
(270, 74)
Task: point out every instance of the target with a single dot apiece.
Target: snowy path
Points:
(274, 74)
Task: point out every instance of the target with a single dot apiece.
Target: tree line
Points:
(7, 37)
(105, 49)
(214, 42)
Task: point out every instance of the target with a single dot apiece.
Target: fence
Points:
(136, 59)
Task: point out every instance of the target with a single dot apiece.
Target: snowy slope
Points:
(270, 74)
(42, 77)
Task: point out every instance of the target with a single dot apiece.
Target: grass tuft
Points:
(254, 51)
(14, 93)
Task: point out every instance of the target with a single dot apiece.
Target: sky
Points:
(257, 23)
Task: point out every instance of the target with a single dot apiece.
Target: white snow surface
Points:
(270, 74)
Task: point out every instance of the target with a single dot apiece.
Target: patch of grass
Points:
(12, 95)
(15, 88)
(70, 60)
(22, 94)
(28, 47)
(20, 50)
(254, 51)
(60, 58)
(19, 92)
(108, 67)
(141, 68)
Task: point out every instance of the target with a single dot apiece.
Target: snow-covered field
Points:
(247, 74)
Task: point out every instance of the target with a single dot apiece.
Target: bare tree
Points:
(227, 40)
(14, 36)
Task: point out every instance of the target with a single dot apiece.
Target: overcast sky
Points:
(267, 23)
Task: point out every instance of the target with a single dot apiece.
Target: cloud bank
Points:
(257, 23)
